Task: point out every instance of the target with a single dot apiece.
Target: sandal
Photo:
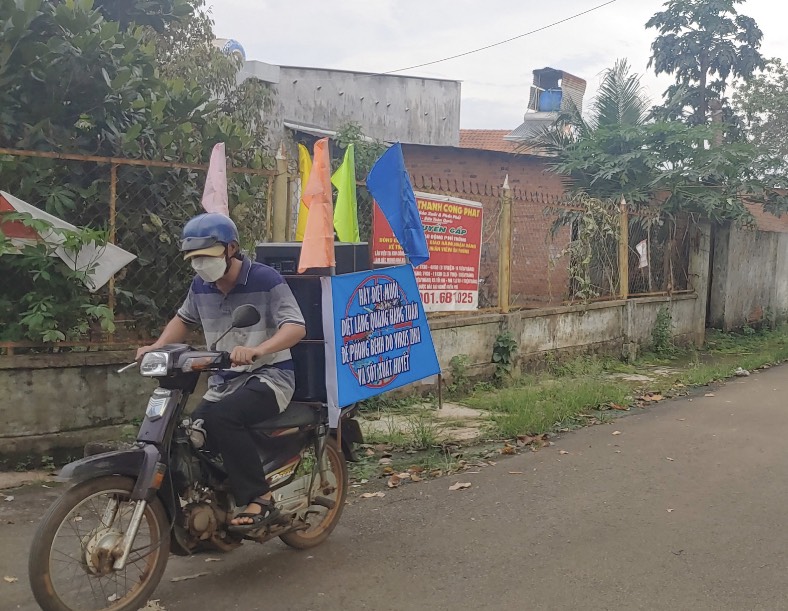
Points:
(268, 514)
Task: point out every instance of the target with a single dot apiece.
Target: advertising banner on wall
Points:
(377, 337)
(449, 280)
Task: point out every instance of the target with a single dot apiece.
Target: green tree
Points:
(71, 80)
(600, 154)
(702, 43)
(762, 102)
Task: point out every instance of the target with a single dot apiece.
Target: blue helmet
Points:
(208, 235)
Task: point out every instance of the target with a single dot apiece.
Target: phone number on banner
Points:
(468, 298)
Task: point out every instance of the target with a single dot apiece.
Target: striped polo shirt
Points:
(262, 287)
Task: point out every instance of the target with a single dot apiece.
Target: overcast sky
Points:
(382, 35)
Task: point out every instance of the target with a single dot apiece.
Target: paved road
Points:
(612, 525)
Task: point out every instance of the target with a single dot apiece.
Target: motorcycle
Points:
(104, 544)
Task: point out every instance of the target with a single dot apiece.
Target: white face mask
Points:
(209, 269)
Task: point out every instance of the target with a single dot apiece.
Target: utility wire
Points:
(502, 42)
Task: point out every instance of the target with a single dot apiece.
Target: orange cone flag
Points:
(318, 247)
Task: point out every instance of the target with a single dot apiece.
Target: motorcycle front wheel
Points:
(76, 545)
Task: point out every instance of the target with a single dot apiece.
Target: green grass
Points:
(540, 405)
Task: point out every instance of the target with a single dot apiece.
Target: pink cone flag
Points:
(214, 197)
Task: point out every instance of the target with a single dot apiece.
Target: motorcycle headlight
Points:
(155, 364)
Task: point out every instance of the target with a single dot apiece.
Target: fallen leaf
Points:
(372, 495)
(436, 473)
(616, 432)
(415, 469)
(415, 478)
(153, 605)
(403, 475)
(508, 449)
(394, 481)
(363, 481)
(563, 452)
(491, 463)
(618, 451)
(8, 579)
(709, 394)
(187, 577)
(622, 408)
(460, 486)
(385, 461)
(9, 498)
(112, 598)
(515, 472)
(669, 458)
(670, 511)
(370, 452)
(213, 560)
(388, 471)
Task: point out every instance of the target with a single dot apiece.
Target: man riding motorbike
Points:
(262, 380)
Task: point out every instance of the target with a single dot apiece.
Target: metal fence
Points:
(558, 252)
(563, 252)
(142, 205)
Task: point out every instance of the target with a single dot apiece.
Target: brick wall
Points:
(537, 277)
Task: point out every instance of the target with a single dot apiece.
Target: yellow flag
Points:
(304, 169)
(346, 212)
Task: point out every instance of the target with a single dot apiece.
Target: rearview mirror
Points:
(245, 316)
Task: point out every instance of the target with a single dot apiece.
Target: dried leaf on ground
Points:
(394, 481)
(405, 475)
(621, 408)
(153, 605)
(388, 471)
(9, 579)
(436, 473)
(709, 394)
(616, 433)
(563, 452)
(460, 486)
(9, 498)
(370, 452)
(669, 458)
(187, 577)
(385, 461)
(416, 478)
(508, 450)
(415, 469)
(650, 398)
(670, 510)
(372, 495)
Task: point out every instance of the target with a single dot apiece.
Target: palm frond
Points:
(621, 99)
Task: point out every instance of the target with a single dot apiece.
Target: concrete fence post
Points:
(700, 275)
(505, 251)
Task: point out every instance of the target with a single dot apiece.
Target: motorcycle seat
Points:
(295, 415)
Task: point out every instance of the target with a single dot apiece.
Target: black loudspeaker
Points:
(309, 355)
(283, 257)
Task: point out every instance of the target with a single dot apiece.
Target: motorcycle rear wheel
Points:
(78, 522)
(320, 529)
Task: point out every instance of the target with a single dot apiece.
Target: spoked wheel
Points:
(76, 546)
(323, 517)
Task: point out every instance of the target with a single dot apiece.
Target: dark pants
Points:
(226, 423)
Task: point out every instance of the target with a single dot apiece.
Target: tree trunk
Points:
(703, 103)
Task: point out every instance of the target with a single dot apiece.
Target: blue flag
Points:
(389, 184)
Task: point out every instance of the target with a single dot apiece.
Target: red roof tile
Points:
(487, 140)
